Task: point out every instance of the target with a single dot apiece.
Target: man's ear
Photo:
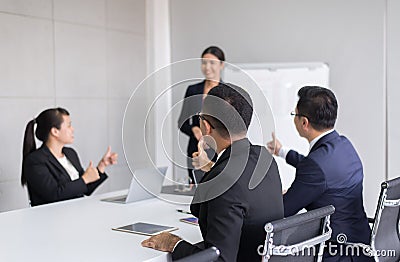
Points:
(305, 123)
(207, 128)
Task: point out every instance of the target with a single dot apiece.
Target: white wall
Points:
(84, 55)
(348, 35)
(393, 90)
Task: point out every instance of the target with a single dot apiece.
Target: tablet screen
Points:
(145, 229)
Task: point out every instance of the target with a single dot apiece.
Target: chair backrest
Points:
(207, 255)
(298, 238)
(385, 237)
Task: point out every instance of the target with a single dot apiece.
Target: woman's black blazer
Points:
(48, 181)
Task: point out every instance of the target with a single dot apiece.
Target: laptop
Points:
(151, 178)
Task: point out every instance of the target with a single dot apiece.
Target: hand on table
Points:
(163, 242)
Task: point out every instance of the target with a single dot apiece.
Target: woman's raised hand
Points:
(109, 158)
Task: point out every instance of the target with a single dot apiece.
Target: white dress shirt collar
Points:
(219, 155)
(315, 140)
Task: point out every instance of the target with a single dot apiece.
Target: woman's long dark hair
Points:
(215, 51)
(45, 121)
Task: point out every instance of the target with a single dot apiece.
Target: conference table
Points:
(80, 230)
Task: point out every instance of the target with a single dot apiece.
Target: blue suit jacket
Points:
(331, 174)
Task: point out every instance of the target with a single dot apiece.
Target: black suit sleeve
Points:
(224, 214)
(73, 157)
(41, 180)
(92, 186)
(184, 249)
(308, 185)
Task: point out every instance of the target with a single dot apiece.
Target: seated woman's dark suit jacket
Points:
(48, 181)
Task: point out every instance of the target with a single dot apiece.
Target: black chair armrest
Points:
(299, 219)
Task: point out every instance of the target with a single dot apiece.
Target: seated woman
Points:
(53, 172)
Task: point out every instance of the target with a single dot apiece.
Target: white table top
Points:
(80, 230)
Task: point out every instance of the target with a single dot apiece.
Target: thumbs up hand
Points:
(91, 174)
(109, 158)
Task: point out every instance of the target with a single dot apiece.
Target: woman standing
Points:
(53, 172)
(211, 66)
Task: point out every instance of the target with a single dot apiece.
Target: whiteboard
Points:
(278, 83)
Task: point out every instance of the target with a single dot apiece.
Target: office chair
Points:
(298, 238)
(207, 255)
(385, 236)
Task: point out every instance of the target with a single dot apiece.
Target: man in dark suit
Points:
(240, 193)
(331, 174)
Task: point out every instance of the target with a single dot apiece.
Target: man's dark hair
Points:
(229, 109)
(319, 105)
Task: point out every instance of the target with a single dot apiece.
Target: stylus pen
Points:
(183, 211)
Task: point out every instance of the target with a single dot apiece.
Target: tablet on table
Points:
(145, 228)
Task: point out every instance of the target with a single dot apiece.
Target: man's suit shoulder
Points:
(330, 147)
(262, 152)
(261, 155)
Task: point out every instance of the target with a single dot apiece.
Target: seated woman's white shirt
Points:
(71, 170)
